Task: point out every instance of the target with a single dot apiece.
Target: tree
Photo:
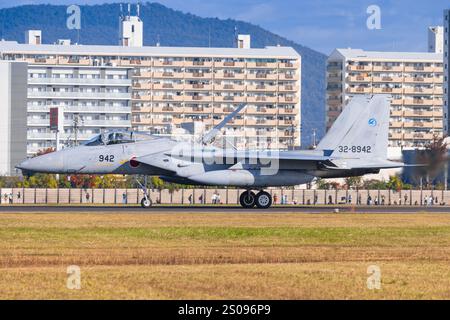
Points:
(353, 182)
(395, 183)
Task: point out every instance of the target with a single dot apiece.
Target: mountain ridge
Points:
(99, 25)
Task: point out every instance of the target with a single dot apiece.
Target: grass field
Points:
(231, 256)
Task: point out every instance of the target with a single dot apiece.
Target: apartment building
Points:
(94, 99)
(174, 85)
(415, 81)
(446, 71)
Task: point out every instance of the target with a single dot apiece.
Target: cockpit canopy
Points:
(117, 137)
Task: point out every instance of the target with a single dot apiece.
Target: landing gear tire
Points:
(263, 200)
(247, 199)
(146, 203)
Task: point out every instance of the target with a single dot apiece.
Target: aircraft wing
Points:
(286, 159)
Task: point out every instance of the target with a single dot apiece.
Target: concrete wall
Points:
(13, 115)
(227, 196)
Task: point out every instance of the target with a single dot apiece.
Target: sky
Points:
(319, 24)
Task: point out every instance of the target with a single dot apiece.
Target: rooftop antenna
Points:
(235, 36)
(138, 9)
(121, 11)
(158, 41)
(129, 9)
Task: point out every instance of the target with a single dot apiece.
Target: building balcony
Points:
(419, 69)
(261, 88)
(261, 76)
(199, 64)
(424, 102)
(198, 75)
(168, 75)
(438, 125)
(285, 111)
(168, 98)
(418, 124)
(438, 69)
(359, 67)
(293, 100)
(418, 80)
(438, 91)
(229, 75)
(388, 68)
(289, 65)
(286, 76)
(286, 123)
(396, 136)
(229, 87)
(387, 79)
(168, 63)
(418, 113)
(359, 90)
(197, 98)
(166, 109)
(364, 79)
(288, 88)
(387, 90)
(396, 124)
(198, 87)
(396, 113)
(137, 97)
(397, 101)
(79, 95)
(418, 136)
(167, 86)
(74, 61)
(263, 65)
(143, 74)
(201, 110)
(438, 102)
(78, 81)
(229, 64)
(140, 85)
(418, 91)
(229, 99)
(261, 110)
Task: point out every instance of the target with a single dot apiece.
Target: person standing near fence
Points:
(124, 198)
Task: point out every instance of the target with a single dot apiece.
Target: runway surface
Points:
(223, 209)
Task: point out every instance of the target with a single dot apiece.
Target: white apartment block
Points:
(446, 71)
(171, 86)
(436, 39)
(94, 99)
(415, 81)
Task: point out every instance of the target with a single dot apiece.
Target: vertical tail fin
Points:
(361, 130)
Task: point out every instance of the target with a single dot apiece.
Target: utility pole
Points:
(314, 144)
(77, 121)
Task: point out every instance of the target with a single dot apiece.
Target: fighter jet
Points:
(355, 145)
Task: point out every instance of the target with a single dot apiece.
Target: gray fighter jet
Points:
(355, 145)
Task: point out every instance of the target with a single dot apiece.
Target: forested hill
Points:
(99, 25)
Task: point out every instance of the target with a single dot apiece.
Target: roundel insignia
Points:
(372, 122)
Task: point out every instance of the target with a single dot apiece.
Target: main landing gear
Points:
(262, 200)
(146, 202)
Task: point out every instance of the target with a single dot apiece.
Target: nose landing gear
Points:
(262, 200)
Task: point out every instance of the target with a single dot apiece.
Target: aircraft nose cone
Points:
(47, 163)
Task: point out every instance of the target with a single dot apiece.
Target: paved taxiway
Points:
(224, 209)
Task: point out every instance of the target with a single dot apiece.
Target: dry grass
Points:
(194, 256)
